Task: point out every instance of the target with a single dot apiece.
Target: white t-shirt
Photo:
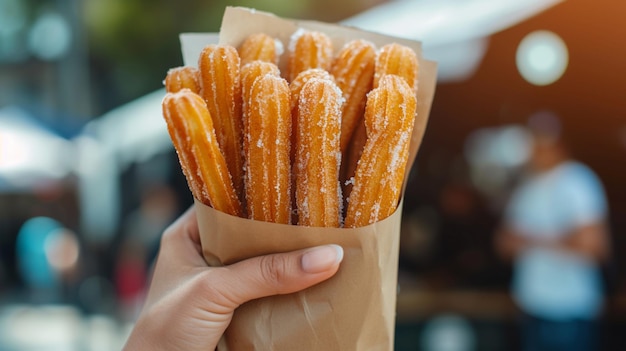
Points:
(554, 284)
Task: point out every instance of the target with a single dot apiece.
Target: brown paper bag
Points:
(355, 309)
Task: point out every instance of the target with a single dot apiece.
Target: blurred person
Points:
(555, 232)
(189, 305)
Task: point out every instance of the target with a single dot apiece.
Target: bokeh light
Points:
(448, 332)
(62, 249)
(50, 37)
(494, 154)
(507, 146)
(542, 57)
(50, 327)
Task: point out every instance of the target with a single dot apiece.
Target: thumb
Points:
(282, 273)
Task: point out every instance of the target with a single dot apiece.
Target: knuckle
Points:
(274, 269)
(165, 239)
(204, 285)
(169, 233)
(207, 284)
(175, 231)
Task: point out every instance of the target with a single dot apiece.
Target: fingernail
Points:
(321, 258)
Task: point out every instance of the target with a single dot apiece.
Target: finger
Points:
(185, 225)
(180, 244)
(282, 273)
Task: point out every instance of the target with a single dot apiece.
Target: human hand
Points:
(189, 305)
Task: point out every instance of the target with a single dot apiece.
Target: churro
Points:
(399, 60)
(350, 159)
(295, 87)
(389, 119)
(191, 129)
(268, 143)
(221, 90)
(353, 70)
(260, 47)
(318, 194)
(249, 74)
(309, 50)
(182, 77)
(340, 127)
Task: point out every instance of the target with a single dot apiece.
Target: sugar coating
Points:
(303, 77)
(389, 119)
(219, 72)
(309, 49)
(317, 153)
(268, 125)
(294, 38)
(350, 181)
(279, 47)
(191, 129)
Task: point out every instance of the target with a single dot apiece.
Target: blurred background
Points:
(89, 180)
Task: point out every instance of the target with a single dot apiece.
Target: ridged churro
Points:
(389, 119)
(318, 194)
(353, 70)
(260, 47)
(191, 128)
(182, 77)
(295, 87)
(221, 90)
(268, 143)
(309, 50)
(249, 74)
(399, 60)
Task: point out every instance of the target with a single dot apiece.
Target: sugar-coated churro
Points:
(260, 47)
(191, 128)
(353, 70)
(399, 60)
(221, 90)
(389, 119)
(318, 194)
(295, 87)
(297, 83)
(267, 143)
(249, 74)
(182, 77)
(309, 49)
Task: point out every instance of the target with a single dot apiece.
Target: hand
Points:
(189, 305)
